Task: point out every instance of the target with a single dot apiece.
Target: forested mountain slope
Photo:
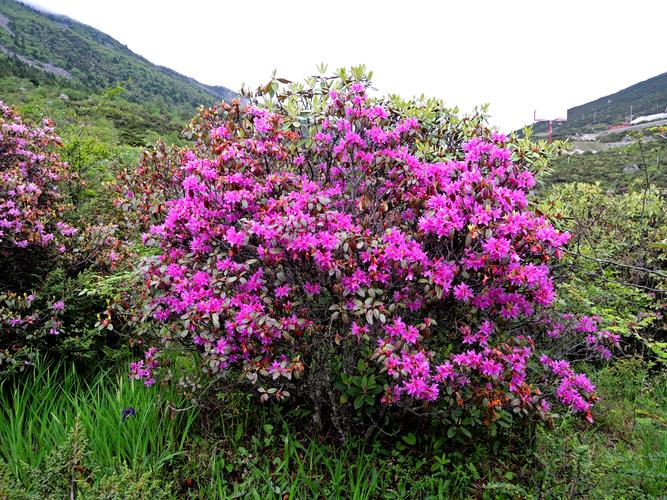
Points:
(33, 42)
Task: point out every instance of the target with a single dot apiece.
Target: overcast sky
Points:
(516, 55)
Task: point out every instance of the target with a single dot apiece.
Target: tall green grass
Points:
(38, 411)
(240, 450)
(623, 455)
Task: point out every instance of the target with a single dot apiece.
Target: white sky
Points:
(517, 55)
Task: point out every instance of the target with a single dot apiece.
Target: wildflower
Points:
(282, 291)
(312, 288)
(462, 292)
(125, 413)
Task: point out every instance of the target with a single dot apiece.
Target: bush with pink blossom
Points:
(44, 257)
(360, 254)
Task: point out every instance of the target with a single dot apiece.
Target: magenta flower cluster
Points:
(598, 342)
(280, 235)
(31, 173)
(573, 389)
(20, 316)
(143, 369)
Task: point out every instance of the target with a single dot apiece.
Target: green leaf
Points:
(410, 439)
(358, 402)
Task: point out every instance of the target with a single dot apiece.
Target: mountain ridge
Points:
(646, 97)
(642, 98)
(84, 56)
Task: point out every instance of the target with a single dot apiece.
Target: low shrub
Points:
(618, 255)
(47, 251)
(364, 255)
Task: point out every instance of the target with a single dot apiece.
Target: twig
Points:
(618, 264)
(193, 405)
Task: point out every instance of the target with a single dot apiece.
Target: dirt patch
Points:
(4, 23)
(44, 66)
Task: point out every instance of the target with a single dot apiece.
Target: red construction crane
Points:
(549, 121)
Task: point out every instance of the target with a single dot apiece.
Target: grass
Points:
(38, 412)
(241, 451)
(285, 465)
(623, 455)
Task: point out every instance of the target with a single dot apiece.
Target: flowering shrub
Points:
(31, 175)
(19, 315)
(42, 306)
(142, 192)
(364, 253)
(619, 246)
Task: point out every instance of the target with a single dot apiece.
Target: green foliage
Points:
(125, 484)
(623, 456)
(64, 467)
(618, 258)
(106, 116)
(67, 472)
(616, 169)
(61, 433)
(262, 460)
(9, 486)
(39, 410)
(86, 334)
(626, 309)
(362, 390)
(86, 296)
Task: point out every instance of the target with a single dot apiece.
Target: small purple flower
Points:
(127, 412)
(282, 291)
(311, 288)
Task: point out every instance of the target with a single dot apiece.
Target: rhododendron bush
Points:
(31, 173)
(40, 252)
(367, 255)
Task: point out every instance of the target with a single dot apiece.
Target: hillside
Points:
(616, 168)
(645, 98)
(613, 157)
(49, 47)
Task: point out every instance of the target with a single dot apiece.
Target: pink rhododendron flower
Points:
(312, 288)
(426, 269)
